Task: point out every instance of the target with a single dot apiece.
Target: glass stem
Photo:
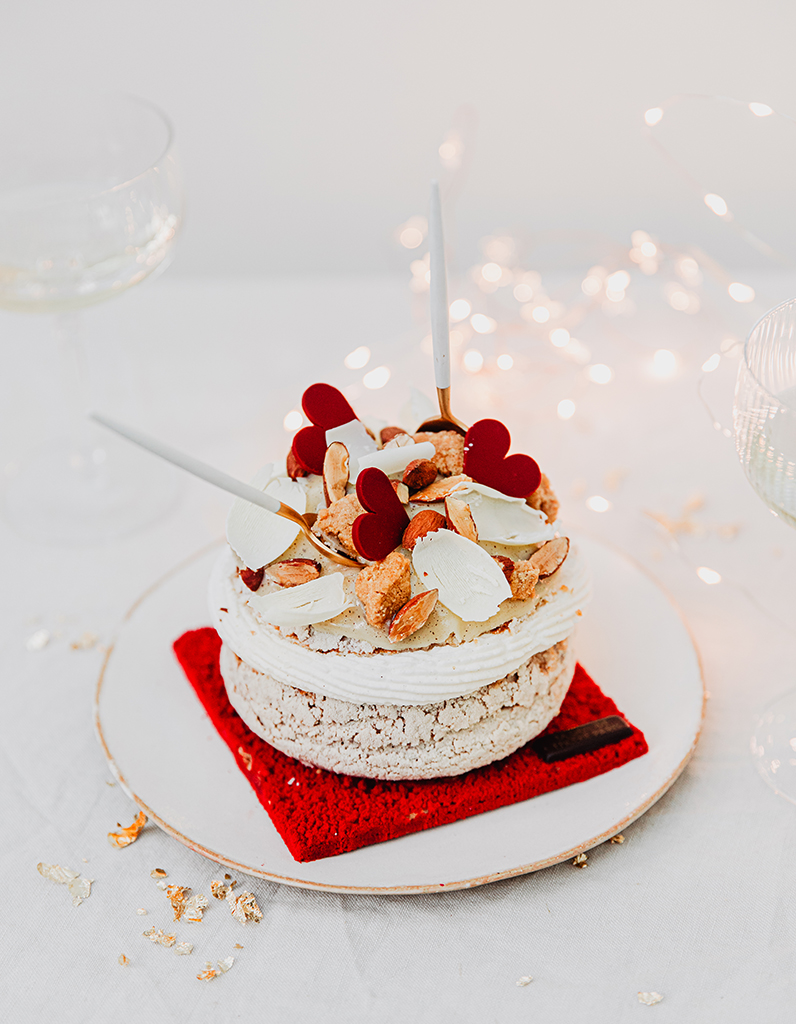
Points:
(74, 373)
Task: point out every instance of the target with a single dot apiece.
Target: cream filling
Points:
(358, 671)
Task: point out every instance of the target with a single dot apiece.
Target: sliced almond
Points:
(419, 474)
(550, 556)
(294, 571)
(252, 577)
(460, 519)
(401, 490)
(426, 521)
(294, 467)
(506, 564)
(440, 490)
(399, 441)
(388, 433)
(413, 615)
(335, 472)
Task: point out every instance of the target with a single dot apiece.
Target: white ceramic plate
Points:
(166, 754)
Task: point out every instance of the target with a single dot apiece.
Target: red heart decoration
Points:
(309, 447)
(325, 407)
(485, 447)
(378, 531)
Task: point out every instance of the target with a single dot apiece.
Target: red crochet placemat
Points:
(320, 814)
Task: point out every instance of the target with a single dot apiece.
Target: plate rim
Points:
(402, 890)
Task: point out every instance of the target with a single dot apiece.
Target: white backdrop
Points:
(310, 130)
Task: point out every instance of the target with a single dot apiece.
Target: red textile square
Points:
(320, 814)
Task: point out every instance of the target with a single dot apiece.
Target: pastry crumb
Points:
(79, 888)
(526, 979)
(649, 998)
(384, 587)
(128, 835)
(85, 641)
(160, 937)
(617, 839)
(448, 450)
(581, 860)
(244, 907)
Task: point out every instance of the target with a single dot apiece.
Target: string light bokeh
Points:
(509, 312)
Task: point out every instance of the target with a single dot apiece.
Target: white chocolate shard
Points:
(395, 460)
(355, 437)
(316, 601)
(258, 537)
(502, 519)
(470, 582)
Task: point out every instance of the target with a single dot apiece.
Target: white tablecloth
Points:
(696, 904)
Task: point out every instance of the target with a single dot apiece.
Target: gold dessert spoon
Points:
(440, 327)
(226, 482)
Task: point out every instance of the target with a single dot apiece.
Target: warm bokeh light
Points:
(293, 420)
(716, 204)
(664, 364)
(653, 116)
(541, 314)
(482, 324)
(591, 285)
(473, 360)
(760, 109)
(358, 358)
(505, 361)
(450, 151)
(411, 238)
(460, 310)
(709, 576)
(523, 292)
(711, 364)
(598, 504)
(412, 232)
(741, 292)
(566, 409)
(648, 249)
(688, 269)
(577, 351)
(376, 378)
(491, 272)
(599, 373)
(559, 337)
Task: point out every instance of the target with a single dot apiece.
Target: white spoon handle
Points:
(190, 464)
(440, 331)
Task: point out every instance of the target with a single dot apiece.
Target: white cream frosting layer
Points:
(415, 676)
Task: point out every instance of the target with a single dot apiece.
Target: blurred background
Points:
(309, 131)
(617, 185)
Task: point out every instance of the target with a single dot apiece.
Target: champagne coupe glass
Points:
(91, 202)
(765, 432)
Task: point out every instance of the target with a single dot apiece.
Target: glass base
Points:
(774, 745)
(79, 496)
